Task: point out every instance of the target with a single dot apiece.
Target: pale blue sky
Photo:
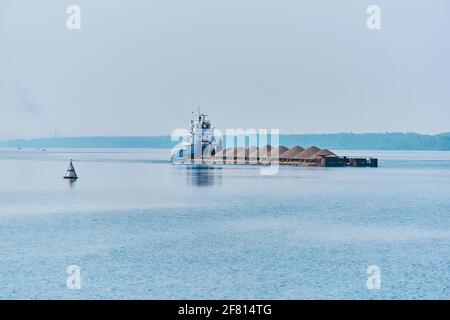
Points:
(139, 67)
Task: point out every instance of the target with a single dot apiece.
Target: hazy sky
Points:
(140, 67)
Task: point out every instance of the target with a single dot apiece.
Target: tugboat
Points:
(199, 146)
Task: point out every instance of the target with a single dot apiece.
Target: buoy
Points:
(70, 173)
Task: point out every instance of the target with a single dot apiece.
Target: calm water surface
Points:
(140, 228)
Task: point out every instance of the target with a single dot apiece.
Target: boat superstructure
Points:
(200, 145)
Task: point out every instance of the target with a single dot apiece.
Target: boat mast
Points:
(201, 118)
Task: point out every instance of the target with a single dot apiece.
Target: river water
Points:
(140, 228)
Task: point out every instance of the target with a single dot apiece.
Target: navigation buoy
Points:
(70, 173)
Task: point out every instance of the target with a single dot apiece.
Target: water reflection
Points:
(71, 182)
(203, 177)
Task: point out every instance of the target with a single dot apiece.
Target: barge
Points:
(296, 156)
(202, 148)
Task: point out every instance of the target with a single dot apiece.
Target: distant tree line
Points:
(349, 141)
(370, 141)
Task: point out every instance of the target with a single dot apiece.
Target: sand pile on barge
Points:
(231, 154)
(291, 153)
(323, 153)
(278, 151)
(245, 154)
(264, 152)
(254, 154)
(307, 154)
(219, 156)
